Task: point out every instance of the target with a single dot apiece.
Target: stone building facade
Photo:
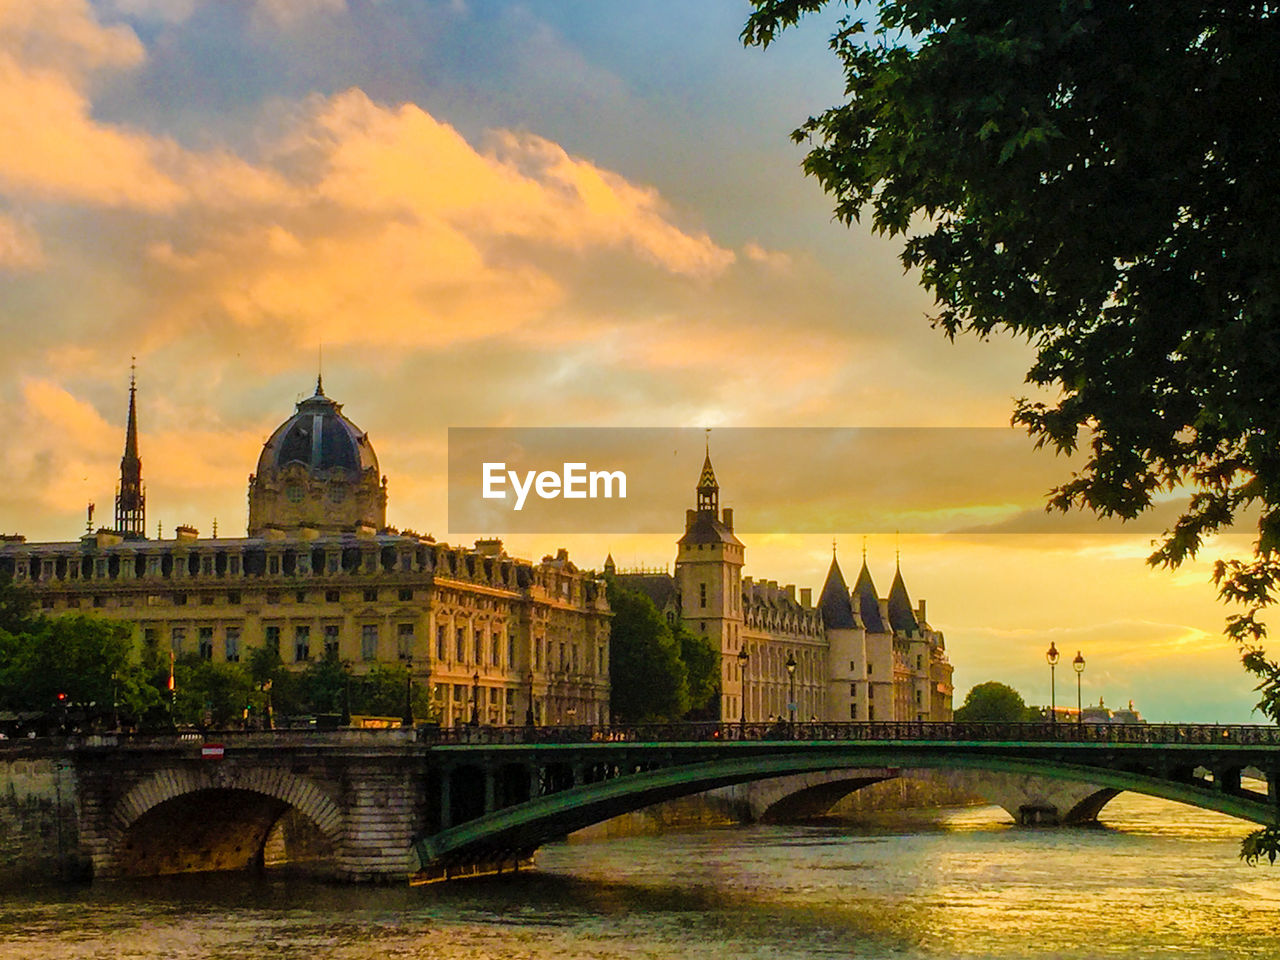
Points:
(496, 637)
(856, 656)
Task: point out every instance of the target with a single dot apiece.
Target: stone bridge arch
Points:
(185, 819)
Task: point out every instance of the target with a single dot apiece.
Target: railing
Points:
(922, 732)
(888, 731)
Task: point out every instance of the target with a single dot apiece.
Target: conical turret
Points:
(901, 617)
(867, 603)
(837, 611)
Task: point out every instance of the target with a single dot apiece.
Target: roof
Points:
(867, 603)
(658, 587)
(901, 617)
(837, 611)
(707, 529)
(319, 437)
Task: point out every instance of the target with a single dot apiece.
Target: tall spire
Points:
(708, 489)
(131, 502)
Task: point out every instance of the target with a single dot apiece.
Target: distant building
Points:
(1102, 714)
(857, 656)
(321, 571)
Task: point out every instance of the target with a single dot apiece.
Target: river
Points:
(1156, 880)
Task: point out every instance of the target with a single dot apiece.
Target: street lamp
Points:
(475, 699)
(528, 714)
(408, 691)
(791, 673)
(742, 675)
(1051, 655)
(1078, 663)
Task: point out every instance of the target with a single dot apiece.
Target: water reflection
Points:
(1156, 880)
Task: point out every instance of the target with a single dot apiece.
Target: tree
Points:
(648, 679)
(1094, 178)
(702, 671)
(994, 702)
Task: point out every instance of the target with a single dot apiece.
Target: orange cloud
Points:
(20, 247)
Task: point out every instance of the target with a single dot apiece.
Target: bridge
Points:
(380, 805)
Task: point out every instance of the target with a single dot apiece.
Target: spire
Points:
(867, 603)
(708, 489)
(902, 618)
(837, 611)
(131, 503)
(320, 371)
(610, 567)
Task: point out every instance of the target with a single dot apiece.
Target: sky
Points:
(506, 214)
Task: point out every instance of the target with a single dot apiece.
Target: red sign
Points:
(212, 751)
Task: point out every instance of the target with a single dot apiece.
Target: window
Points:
(369, 641)
(406, 593)
(511, 650)
(177, 636)
(273, 639)
(919, 701)
(702, 594)
(300, 596)
(273, 596)
(331, 596)
(441, 643)
(853, 711)
(868, 668)
(919, 662)
(206, 565)
(206, 599)
(853, 689)
(537, 654)
(273, 565)
(871, 713)
(404, 640)
(150, 636)
(497, 649)
(233, 596)
(294, 493)
(206, 643)
(871, 691)
(331, 639)
(853, 666)
(98, 601)
(179, 599)
(371, 596)
(301, 643)
(233, 644)
(233, 566)
(332, 562)
(460, 646)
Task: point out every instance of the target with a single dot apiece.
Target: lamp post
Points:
(528, 714)
(1078, 663)
(1051, 656)
(743, 657)
(408, 691)
(475, 699)
(791, 674)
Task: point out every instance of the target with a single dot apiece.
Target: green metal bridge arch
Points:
(580, 776)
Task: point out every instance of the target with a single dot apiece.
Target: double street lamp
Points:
(791, 674)
(1051, 655)
(1078, 663)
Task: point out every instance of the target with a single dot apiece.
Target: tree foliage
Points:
(648, 679)
(1098, 179)
(702, 671)
(994, 702)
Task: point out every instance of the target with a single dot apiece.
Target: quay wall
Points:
(39, 816)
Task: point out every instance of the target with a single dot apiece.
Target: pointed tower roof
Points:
(707, 479)
(837, 611)
(901, 617)
(131, 504)
(867, 603)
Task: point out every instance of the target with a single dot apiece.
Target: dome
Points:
(317, 472)
(319, 438)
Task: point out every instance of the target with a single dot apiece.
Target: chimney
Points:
(728, 517)
(806, 597)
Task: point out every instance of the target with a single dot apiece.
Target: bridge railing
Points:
(886, 731)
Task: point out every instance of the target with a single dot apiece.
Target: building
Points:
(320, 571)
(853, 656)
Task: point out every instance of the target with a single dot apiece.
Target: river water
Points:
(1157, 880)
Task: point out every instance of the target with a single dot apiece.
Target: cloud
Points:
(20, 247)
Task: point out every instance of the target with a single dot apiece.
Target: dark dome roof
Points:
(319, 437)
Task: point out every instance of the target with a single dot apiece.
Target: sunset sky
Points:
(576, 213)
